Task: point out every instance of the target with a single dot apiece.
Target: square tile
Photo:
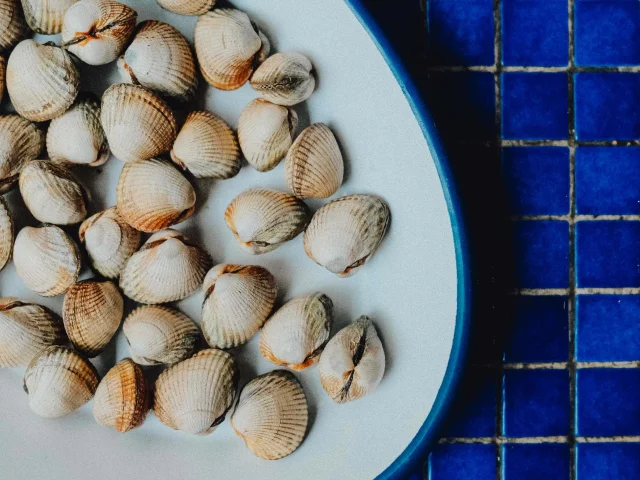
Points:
(536, 403)
(461, 462)
(607, 254)
(607, 32)
(604, 461)
(608, 402)
(534, 106)
(536, 180)
(535, 33)
(474, 412)
(536, 461)
(607, 106)
(608, 329)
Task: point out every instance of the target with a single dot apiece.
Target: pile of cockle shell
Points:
(134, 120)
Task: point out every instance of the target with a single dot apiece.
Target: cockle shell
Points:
(167, 268)
(92, 311)
(285, 79)
(352, 364)
(6, 233)
(3, 69)
(25, 329)
(20, 142)
(59, 381)
(296, 334)
(159, 334)
(207, 147)
(272, 415)
(153, 194)
(96, 31)
(228, 46)
(138, 124)
(122, 397)
(109, 241)
(46, 16)
(52, 193)
(42, 80)
(46, 259)
(262, 220)
(13, 27)
(187, 7)
(160, 59)
(345, 233)
(195, 395)
(265, 132)
(238, 300)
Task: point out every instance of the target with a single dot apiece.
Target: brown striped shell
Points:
(46, 16)
(187, 7)
(6, 233)
(13, 26)
(3, 69)
(20, 142)
(285, 79)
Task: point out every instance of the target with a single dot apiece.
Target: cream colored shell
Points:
(46, 16)
(20, 142)
(6, 233)
(187, 7)
(13, 27)
(285, 79)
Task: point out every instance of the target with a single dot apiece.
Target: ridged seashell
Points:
(92, 311)
(238, 300)
(25, 329)
(296, 334)
(122, 397)
(6, 233)
(228, 46)
(187, 7)
(46, 16)
(153, 195)
(160, 58)
(52, 193)
(46, 259)
(3, 69)
(159, 334)
(272, 415)
(167, 268)
(207, 147)
(262, 220)
(59, 381)
(285, 79)
(109, 241)
(344, 234)
(265, 132)
(195, 395)
(13, 27)
(42, 80)
(352, 364)
(138, 124)
(96, 31)
(20, 142)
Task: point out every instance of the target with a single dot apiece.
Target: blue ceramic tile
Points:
(534, 106)
(541, 254)
(608, 329)
(462, 462)
(608, 254)
(607, 106)
(536, 180)
(608, 461)
(535, 33)
(608, 180)
(607, 32)
(536, 403)
(474, 413)
(535, 462)
(539, 332)
(608, 401)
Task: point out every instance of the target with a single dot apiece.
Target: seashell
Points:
(207, 147)
(52, 193)
(314, 165)
(238, 300)
(138, 124)
(46, 259)
(3, 68)
(153, 194)
(46, 16)
(262, 220)
(96, 31)
(272, 415)
(13, 27)
(92, 311)
(167, 268)
(42, 80)
(76, 137)
(265, 132)
(6, 233)
(122, 397)
(25, 329)
(109, 241)
(296, 334)
(160, 59)
(159, 334)
(345, 233)
(285, 79)
(20, 142)
(187, 7)
(352, 364)
(59, 381)
(195, 395)
(228, 46)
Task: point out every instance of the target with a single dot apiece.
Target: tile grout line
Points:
(536, 440)
(532, 69)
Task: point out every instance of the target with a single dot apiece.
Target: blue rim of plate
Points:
(411, 459)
